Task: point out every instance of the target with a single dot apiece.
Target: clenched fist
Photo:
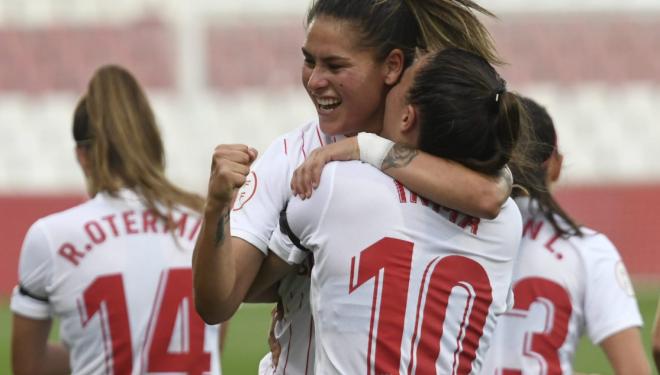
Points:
(229, 168)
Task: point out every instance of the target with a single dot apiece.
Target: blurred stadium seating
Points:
(220, 72)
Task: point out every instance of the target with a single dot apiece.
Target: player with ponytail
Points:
(569, 278)
(114, 270)
(359, 223)
(116, 130)
(354, 53)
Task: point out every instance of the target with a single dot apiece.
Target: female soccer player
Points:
(399, 282)
(354, 53)
(116, 269)
(569, 280)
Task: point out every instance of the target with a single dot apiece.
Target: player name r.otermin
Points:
(128, 223)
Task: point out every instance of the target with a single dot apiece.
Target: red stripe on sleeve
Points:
(318, 134)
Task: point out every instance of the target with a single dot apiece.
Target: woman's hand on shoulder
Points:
(307, 176)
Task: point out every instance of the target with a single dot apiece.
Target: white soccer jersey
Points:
(295, 332)
(254, 218)
(121, 283)
(563, 287)
(399, 284)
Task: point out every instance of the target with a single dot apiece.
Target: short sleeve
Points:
(35, 271)
(282, 246)
(610, 303)
(259, 202)
(303, 218)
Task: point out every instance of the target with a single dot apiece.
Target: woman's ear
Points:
(82, 155)
(409, 119)
(554, 168)
(393, 66)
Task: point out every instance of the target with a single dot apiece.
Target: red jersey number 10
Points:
(106, 298)
(394, 258)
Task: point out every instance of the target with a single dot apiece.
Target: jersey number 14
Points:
(105, 297)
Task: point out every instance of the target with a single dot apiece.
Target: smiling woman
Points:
(354, 53)
(343, 80)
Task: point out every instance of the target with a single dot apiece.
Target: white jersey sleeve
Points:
(305, 223)
(610, 304)
(35, 272)
(281, 245)
(260, 200)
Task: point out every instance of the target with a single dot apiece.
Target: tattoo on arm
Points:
(220, 230)
(399, 156)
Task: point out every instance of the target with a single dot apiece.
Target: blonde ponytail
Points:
(115, 120)
(453, 23)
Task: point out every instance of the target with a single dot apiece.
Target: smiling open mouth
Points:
(326, 104)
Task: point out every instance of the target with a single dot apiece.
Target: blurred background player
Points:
(569, 280)
(354, 53)
(116, 269)
(399, 282)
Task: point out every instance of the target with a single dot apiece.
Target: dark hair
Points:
(465, 113)
(410, 24)
(114, 121)
(539, 150)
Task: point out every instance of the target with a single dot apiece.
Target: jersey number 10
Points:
(106, 297)
(394, 257)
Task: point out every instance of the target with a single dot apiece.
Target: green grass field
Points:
(246, 341)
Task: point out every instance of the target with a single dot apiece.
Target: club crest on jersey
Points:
(246, 192)
(623, 279)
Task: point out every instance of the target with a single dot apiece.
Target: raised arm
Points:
(223, 266)
(444, 182)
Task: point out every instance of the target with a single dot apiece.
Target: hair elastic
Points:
(500, 90)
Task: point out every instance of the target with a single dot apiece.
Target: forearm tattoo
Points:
(220, 230)
(399, 156)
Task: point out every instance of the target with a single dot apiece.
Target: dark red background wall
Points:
(629, 215)
(17, 213)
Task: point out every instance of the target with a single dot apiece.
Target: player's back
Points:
(564, 286)
(399, 284)
(120, 281)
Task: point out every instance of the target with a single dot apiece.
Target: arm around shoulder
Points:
(449, 183)
(445, 182)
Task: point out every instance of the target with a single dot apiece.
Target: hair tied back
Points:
(500, 90)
